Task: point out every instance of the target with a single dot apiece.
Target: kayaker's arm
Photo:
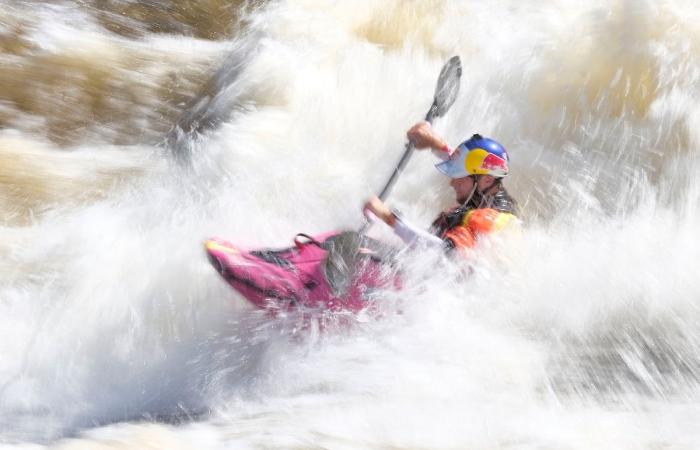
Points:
(423, 137)
(413, 235)
(408, 233)
(377, 207)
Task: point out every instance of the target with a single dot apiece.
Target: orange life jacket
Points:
(476, 222)
(461, 227)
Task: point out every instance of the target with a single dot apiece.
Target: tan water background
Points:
(132, 130)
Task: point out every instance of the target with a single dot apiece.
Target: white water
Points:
(118, 334)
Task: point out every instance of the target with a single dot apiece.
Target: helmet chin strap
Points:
(473, 191)
(475, 179)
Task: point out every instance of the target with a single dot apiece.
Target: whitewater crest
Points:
(129, 134)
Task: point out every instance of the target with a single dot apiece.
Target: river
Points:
(130, 131)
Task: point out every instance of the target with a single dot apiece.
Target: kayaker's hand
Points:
(422, 136)
(379, 209)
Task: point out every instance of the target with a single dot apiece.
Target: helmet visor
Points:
(453, 167)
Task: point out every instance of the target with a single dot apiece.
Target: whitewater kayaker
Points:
(476, 169)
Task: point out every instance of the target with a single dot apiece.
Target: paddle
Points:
(445, 95)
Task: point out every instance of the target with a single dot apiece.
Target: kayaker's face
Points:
(463, 186)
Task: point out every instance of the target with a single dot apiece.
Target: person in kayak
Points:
(476, 169)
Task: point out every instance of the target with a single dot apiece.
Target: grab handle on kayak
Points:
(308, 240)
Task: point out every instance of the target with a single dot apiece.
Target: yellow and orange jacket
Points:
(461, 227)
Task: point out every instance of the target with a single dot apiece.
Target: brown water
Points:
(110, 74)
(132, 130)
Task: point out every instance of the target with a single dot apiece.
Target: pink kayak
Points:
(334, 271)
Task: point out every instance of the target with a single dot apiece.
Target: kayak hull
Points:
(325, 272)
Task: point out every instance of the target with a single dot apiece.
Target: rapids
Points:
(130, 131)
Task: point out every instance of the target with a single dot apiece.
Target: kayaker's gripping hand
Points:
(423, 137)
(377, 207)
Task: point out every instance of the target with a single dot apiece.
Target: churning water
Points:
(132, 130)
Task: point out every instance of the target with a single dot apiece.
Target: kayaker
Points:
(476, 169)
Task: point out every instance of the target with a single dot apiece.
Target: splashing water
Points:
(580, 333)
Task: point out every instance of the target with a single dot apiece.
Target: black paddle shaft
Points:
(445, 95)
(408, 151)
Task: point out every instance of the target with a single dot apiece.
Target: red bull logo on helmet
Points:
(479, 161)
(493, 162)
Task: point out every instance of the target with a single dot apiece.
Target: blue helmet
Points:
(476, 156)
